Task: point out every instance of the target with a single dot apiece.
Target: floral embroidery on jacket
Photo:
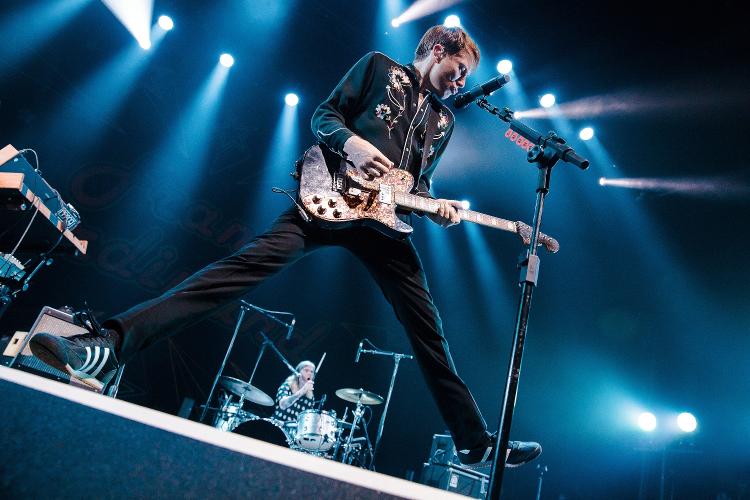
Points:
(442, 126)
(397, 80)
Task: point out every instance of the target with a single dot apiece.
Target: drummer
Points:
(295, 395)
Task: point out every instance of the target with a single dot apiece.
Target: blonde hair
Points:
(293, 379)
(453, 39)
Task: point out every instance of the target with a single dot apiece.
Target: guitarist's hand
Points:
(447, 214)
(366, 158)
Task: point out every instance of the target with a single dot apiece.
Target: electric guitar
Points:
(334, 193)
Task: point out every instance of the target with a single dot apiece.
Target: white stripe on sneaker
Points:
(104, 360)
(88, 358)
(88, 366)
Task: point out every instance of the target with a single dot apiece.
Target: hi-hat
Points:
(246, 391)
(359, 396)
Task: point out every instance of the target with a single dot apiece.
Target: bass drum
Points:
(265, 429)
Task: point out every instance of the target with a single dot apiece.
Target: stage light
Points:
(395, 23)
(602, 181)
(586, 133)
(647, 421)
(465, 204)
(226, 60)
(291, 99)
(504, 67)
(452, 21)
(547, 101)
(686, 422)
(166, 23)
(145, 44)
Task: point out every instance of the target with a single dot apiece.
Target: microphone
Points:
(359, 351)
(290, 328)
(487, 88)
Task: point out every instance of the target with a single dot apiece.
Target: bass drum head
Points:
(264, 429)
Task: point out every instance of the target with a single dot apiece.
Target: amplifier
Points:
(50, 321)
(462, 481)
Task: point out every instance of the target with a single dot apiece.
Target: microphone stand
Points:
(545, 153)
(244, 307)
(397, 357)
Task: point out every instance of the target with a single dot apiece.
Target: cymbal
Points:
(359, 395)
(243, 389)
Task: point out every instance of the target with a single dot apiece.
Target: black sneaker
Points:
(518, 454)
(89, 357)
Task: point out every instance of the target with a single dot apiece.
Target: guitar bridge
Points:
(385, 194)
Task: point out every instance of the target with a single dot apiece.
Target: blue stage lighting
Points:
(547, 100)
(686, 422)
(145, 44)
(647, 421)
(395, 23)
(504, 67)
(226, 60)
(586, 133)
(452, 21)
(465, 204)
(291, 99)
(166, 23)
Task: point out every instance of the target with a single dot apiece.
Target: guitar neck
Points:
(429, 205)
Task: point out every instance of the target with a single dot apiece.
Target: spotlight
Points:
(452, 21)
(504, 67)
(602, 181)
(395, 22)
(647, 421)
(291, 99)
(166, 23)
(226, 60)
(465, 204)
(145, 44)
(686, 422)
(586, 133)
(547, 100)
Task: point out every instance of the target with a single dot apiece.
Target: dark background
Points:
(644, 308)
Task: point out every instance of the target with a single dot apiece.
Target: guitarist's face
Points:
(448, 74)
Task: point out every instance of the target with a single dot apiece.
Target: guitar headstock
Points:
(524, 232)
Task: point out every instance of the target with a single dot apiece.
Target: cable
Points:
(301, 210)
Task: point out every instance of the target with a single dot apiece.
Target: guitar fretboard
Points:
(429, 205)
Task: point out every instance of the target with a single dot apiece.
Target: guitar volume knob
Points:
(331, 203)
(321, 210)
(316, 199)
(337, 213)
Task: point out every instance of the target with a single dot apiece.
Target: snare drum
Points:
(316, 430)
(266, 429)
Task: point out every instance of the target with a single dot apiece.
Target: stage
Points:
(61, 441)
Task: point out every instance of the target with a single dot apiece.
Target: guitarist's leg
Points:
(398, 271)
(217, 285)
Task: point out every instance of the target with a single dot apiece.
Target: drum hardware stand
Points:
(244, 307)
(358, 412)
(397, 357)
(545, 153)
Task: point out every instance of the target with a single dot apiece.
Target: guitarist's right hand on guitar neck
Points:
(366, 158)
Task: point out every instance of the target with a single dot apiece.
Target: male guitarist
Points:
(382, 115)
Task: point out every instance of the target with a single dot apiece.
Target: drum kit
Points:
(316, 431)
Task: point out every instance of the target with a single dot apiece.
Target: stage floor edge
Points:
(380, 484)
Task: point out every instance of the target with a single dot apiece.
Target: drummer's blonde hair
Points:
(293, 379)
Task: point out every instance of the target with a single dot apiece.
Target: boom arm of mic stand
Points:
(268, 314)
(563, 151)
(387, 353)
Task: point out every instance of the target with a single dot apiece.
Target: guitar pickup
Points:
(385, 194)
(338, 181)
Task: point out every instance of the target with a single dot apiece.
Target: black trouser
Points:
(395, 266)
